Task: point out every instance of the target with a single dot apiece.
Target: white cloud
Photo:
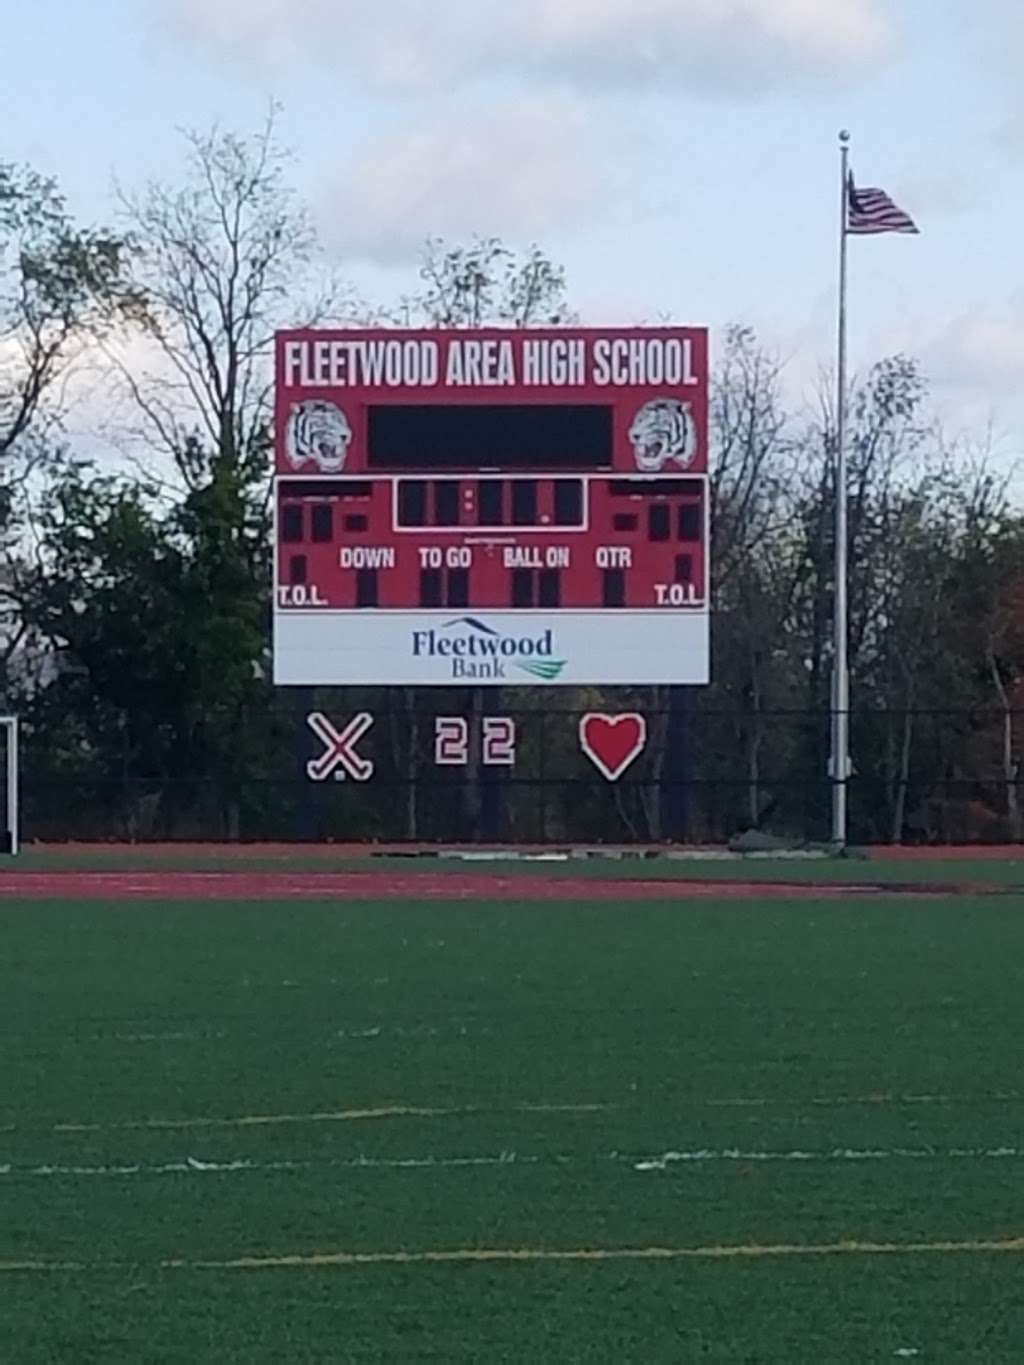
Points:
(993, 37)
(516, 172)
(982, 350)
(974, 363)
(611, 307)
(737, 46)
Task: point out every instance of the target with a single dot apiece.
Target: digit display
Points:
(480, 436)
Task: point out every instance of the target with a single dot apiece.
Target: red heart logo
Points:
(613, 742)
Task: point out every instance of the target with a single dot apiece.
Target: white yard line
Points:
(698, 1157)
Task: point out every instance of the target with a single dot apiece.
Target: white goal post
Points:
(9, 802)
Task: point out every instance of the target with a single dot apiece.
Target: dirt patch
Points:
(388, 886)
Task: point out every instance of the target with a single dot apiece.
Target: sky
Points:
(678, 157)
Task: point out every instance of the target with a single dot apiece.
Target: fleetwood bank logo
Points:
(476, 650)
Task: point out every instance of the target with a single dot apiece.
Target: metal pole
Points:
(13, 816)
(840, 762)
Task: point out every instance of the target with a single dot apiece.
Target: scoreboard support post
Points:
(487, 702)
(308, 808)
(674, 796)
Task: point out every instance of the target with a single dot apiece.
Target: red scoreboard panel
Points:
(497, 507)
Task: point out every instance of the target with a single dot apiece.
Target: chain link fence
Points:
(472, 767)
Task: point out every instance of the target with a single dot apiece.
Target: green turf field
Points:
(190, 1086)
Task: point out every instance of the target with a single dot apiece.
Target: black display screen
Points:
(498, 437)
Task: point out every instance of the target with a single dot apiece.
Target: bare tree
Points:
(223, 262)
(999, 621)
(753, 572)
(904, 668)
(486, 284)
(752, 459)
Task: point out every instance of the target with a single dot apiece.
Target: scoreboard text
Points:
(492, 507)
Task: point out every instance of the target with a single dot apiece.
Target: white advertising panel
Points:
(503, 649)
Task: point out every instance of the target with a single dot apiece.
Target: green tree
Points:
(61, 287)
(154, 629)
(219, 263)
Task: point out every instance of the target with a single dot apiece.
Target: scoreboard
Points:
(503, 507)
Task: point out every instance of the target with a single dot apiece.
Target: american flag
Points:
(872, 211)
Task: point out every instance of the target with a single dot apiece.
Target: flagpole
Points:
(839, 766)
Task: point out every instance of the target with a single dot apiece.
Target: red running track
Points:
(417, 886)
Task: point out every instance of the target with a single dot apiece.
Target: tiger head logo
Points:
(663, 432)
(318, 432)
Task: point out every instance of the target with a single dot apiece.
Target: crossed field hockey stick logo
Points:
(340, 755)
